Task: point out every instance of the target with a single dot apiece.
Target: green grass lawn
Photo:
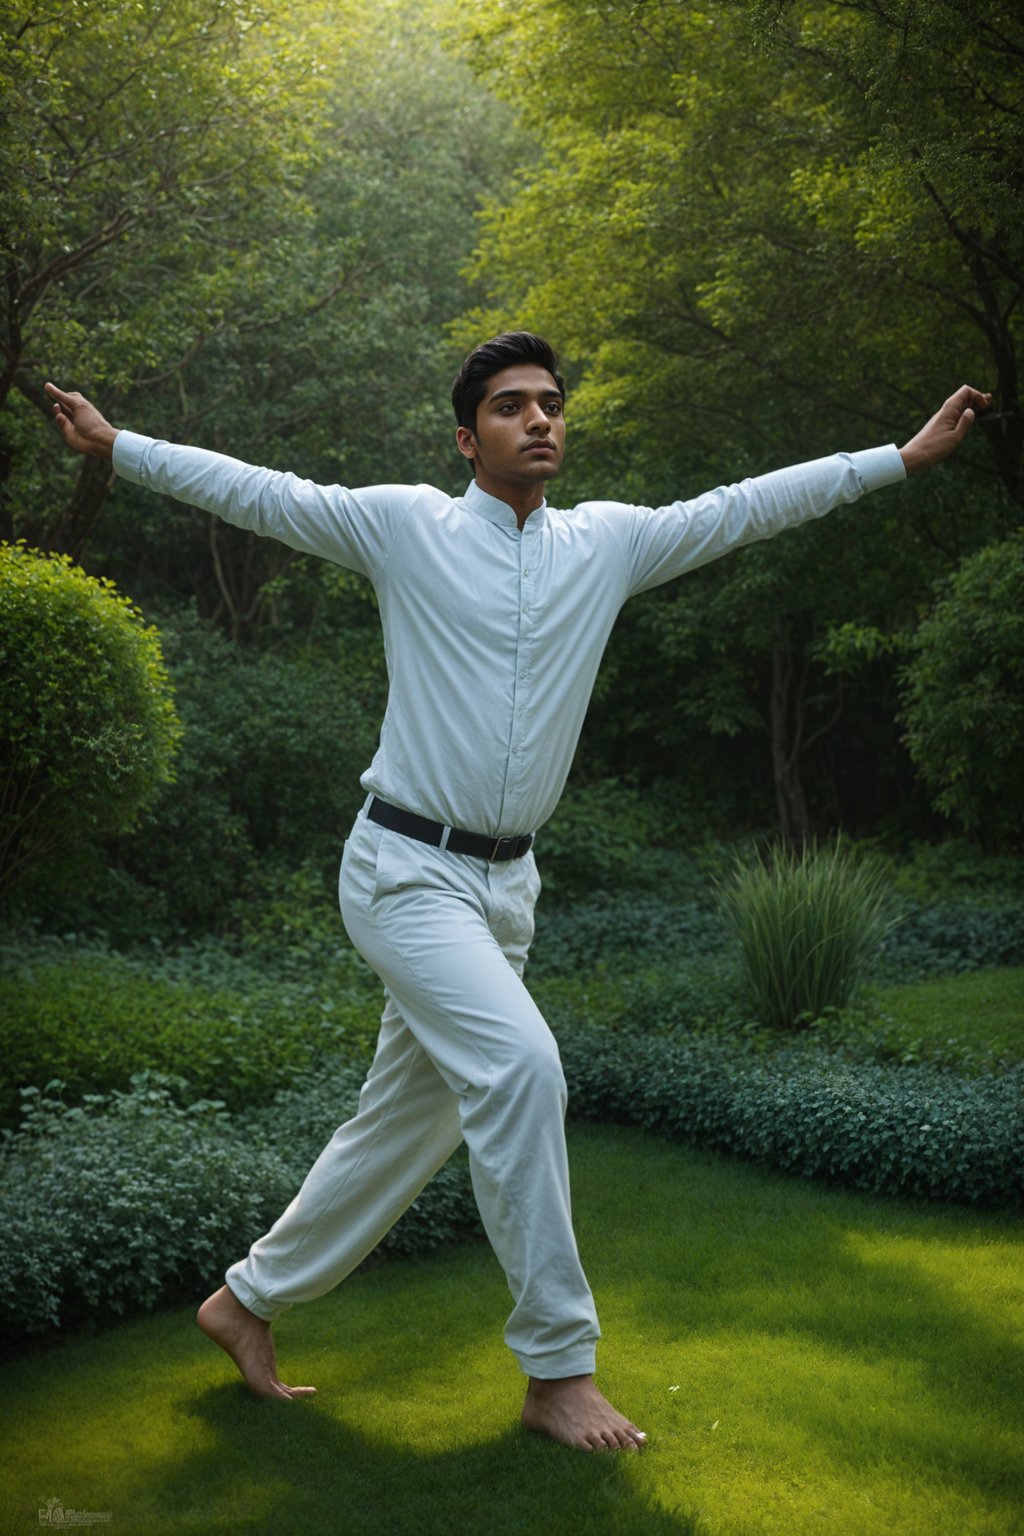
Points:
(803, 1361)
(982, 1011)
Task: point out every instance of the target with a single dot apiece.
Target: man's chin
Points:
(544, 469)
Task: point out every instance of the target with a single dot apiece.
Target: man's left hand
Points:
(945, 432)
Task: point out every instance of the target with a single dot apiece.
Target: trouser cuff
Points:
(581, 1361)
(257, 1305)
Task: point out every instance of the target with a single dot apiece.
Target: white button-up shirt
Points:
(493, 635)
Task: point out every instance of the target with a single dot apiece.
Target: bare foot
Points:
(249, 1342)
(572, 1410)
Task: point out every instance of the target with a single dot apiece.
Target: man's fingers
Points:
(976, 399)
(965, 423)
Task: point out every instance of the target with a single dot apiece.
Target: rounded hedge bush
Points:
(964, 696)
(88, 727)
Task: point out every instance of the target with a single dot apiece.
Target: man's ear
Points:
(466, 439)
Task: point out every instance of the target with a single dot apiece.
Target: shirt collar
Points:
(500, 512)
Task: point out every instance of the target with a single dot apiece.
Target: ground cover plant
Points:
(802, 1359)
(94, 1017)
(251, 1049)
(973, 1019)
(130, 1200)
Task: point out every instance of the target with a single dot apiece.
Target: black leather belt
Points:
(496, 849)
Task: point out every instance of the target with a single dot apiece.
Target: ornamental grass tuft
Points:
(807, 922)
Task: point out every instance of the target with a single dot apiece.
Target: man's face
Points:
(519, 437)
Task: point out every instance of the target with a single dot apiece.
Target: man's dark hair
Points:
(489, 358)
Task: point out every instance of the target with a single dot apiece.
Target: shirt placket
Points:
(517, 773)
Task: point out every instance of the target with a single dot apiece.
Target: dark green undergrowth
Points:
(130, 1200)
(197, 1084)
(926, 1132)
(93, 1018)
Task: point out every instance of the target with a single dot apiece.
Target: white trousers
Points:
(463, 1053)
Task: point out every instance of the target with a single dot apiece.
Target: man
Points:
(496, 610)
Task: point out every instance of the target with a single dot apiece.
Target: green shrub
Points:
(269, 769)
(964, 696)
(950, 938)
(87, 723)
(123, 1203)
(627, 929)
(807, 923)
(94, 1019)
(130, 1201)
(891, 1130)
(266, 781)
(593, 838)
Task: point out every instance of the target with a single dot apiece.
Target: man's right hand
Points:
(80, 423)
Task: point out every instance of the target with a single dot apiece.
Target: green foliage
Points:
(733, 185)
(269, 770)
(221, 228)
(87, 722)
(114, 1206)
(131, 1200)
(974, 1021)
(775, 238)
(964, 695)
(596, 835)
(957, 870)
(94, 1019)
(890, 1130)
(266, 784)
(807, 923)
(625, 930)
(952, 937)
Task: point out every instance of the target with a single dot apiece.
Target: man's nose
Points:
(538, 420)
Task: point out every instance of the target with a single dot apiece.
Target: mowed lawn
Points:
(802, 1359)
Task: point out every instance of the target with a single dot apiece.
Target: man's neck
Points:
(523, 499)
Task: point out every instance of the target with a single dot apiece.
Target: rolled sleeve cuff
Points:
(878, 466)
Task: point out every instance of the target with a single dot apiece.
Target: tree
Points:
(154, 156)
(87, 723)
(763, 232)
(354, 390)
(964, 695)
(218, 221)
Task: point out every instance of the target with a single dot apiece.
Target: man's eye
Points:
(554, 407)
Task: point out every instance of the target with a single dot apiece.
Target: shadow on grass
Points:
(300, 1469)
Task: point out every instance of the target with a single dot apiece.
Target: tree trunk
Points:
(787, 734)
(80, 516)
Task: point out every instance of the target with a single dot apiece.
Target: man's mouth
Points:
(539, 448)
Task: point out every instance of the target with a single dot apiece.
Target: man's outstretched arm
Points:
(354, 528)
(667, 541)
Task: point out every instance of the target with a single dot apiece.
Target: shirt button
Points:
(524, 673)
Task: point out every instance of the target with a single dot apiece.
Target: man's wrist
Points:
(102, 442)
(914, 458)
